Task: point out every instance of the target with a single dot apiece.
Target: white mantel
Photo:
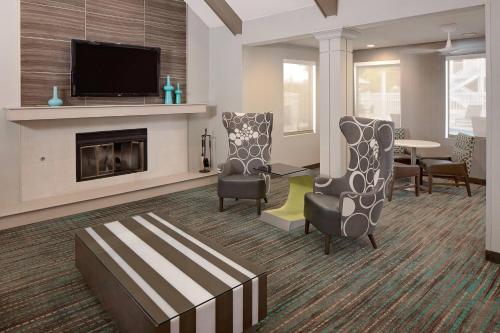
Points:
(100, 111)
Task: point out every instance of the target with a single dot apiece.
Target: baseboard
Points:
(30, 217)
(492, 256)
(312, 166)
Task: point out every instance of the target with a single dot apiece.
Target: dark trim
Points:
(477, 181)
(312, 166)
(492, 256)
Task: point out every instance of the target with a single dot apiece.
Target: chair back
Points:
(371, 146)
(463, 150)
(400, 134)
(250, 140)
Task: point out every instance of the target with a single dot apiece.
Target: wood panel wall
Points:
(47, 27)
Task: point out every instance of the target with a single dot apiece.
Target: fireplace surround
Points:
(110, 153)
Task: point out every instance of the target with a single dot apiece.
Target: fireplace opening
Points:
(110, 153)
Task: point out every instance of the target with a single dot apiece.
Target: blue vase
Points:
(55, 100)
(168, 91)
(178, 94)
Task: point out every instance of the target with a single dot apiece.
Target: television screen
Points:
(104, 69)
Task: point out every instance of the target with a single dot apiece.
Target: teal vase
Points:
(178, 94)
(168, 91)
(55, 100)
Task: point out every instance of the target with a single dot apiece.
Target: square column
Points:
(336, 96)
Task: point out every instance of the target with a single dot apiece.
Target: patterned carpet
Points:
(427, 275)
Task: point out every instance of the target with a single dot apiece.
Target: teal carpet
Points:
(429, 273)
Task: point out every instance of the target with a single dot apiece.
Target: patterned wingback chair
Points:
(250, 144)
(350, 206)
(457, 166)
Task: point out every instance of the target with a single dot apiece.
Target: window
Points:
(377, 90)
(299, 97)
(466, 95)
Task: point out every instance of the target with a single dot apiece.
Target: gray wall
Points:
(263, 92)
(423, 99)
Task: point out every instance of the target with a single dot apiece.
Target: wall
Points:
(9, 95)
(423, 98)
(263, 92)
(47, 27)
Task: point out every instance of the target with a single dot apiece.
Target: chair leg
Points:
(327, 244)
(372, 240)
(421, 176)
(417, 185)
(467, 183)
(221, 204)
(391, 190)
(456, 182)
(306, 226)
(265, 200)
(258, 207)
(429, 177)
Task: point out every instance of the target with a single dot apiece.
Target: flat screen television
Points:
(105, 69)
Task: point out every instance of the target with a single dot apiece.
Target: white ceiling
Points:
(248, 9)
(414, 30)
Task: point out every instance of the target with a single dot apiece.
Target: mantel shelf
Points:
(100, 111)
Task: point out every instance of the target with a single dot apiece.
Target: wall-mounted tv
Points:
(105, 69)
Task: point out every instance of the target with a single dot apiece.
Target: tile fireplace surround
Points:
(47, 154)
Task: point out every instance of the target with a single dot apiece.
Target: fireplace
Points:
(111, 153)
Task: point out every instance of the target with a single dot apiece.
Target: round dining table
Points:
(414, 144)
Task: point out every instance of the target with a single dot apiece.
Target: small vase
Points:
(168, 91)
(55, 100)
(178, 94)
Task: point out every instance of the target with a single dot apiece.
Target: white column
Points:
(336, 97)
(493, 127)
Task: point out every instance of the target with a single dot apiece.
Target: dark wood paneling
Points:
(128, 9)
(51, 22)
(114, 100)
(37, 89)
(43, 55)
(66, 4)
(47, 26)
(114, 29)
(167, 12)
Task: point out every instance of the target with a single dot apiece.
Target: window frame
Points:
(314, 94)
(374, 64)
(447, 134)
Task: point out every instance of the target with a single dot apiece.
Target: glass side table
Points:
(291, 215)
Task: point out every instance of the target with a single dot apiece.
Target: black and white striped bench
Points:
(156, 276)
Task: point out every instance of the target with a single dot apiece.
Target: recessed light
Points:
(370, 45)
(469, 34)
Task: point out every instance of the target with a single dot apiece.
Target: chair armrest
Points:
(360, 211)
(224, 169)
(445, 158)
(328, 186)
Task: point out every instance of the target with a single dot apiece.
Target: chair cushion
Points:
(323, 212)
(402, 158)
(429, 162)
(404, 170)
(242, 186)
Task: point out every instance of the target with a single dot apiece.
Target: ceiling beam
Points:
(328, 7)
(227, 15)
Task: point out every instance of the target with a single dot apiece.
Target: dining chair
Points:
(250, 144)
(402, 171)
(350, 206)
(456, 167)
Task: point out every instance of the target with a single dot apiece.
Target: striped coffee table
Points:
(153, 275)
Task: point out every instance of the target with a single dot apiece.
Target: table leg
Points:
(413, 156)
(291, 215)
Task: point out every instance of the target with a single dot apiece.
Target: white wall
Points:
(10, 82)
(423, 98)
(263, 92)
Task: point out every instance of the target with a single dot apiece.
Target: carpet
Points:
(428, 275)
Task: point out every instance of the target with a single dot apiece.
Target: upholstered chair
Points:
(350, 206)
(249, 148)
(401, 154)
(456, 167)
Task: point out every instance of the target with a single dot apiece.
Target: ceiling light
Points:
(370, 45)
